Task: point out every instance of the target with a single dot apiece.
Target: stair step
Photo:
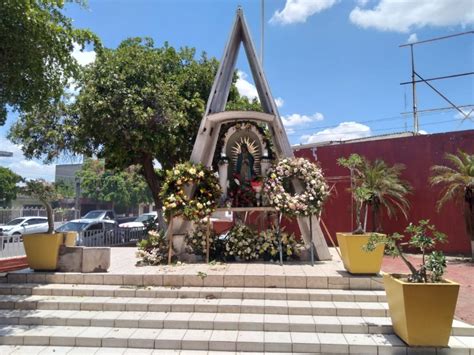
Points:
(193, 292)
(63, 350)
(262, 306)
(222, 321)
(228, 321)
(209, 278)
(205, 340)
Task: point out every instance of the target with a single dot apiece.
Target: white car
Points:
(24, 225)
(140, 221)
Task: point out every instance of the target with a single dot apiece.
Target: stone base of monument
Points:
(83, 259)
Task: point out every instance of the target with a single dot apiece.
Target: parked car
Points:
(91, 232)
(141, 221)
(24, 225)
(100, 215)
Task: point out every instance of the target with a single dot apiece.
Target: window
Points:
(95, 227)
(109, 215)
(37, 221)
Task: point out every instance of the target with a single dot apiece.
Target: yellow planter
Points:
(42, 250)
(355, 259)
(422, 313)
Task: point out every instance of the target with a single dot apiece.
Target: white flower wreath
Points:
(309, 201)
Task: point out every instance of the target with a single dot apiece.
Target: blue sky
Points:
(335, 66)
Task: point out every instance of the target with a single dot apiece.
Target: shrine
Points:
(242, 145)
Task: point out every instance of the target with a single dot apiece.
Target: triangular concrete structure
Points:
(215, 116)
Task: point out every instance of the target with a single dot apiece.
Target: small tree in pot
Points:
(375, 185)
(46, 193)
(42, 249)
(421, 299)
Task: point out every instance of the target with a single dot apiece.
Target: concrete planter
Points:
(42, 250)
(354, 258)
(422, 313)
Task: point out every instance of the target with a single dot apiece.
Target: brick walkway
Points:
(458, 270)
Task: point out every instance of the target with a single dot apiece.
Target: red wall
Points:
(418, 154)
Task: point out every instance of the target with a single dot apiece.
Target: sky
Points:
(334, 66)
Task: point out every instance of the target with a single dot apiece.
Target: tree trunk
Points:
(154, 184)
(469, 217)
(49, 213)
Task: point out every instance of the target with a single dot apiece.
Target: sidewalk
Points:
(458, 270)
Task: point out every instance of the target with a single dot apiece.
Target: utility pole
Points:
(416, 127)
(262, 30)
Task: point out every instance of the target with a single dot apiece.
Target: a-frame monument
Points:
(216, 116)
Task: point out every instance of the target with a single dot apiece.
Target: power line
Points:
(399, 129)
(392, 118)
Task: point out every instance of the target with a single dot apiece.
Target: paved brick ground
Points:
(459, 270)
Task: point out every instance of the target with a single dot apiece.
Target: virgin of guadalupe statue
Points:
(244, 166)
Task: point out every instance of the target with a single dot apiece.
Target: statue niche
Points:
(242, 148)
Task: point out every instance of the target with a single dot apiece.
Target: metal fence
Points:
(12, 246)
(60, 214)
(114, 237)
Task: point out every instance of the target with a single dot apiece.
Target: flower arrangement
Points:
(154, 249)
(196, 241)
(180, 182)
(269, 244)
(277, 187)
(242, 242)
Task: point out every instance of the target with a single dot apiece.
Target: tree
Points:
(124, 188)
(36, 43)
(385, 190)
(46, 193)
(8, 186)
(457, 183)
(137, 104)
(377, 186)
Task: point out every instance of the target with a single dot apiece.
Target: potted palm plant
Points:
(458, 185)
(376, 186)
(42, 249)
(421, 303)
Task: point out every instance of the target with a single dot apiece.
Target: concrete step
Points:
(216, 340)
(212, 278)
(193, 292)
(210, 321)
(201, 305)
(69, 350)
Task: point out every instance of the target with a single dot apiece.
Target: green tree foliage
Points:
(125, 188)
(379, 186)
(137, 104)
(8, 186)
(36, 41)
(457, 182)
(46, 193)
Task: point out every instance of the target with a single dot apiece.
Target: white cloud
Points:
(402, 16)
(245, 87)
(29, 169)
(422, 131)
(297, 11)
(279, 102)
(344, 131)
(297, 119)
(412, 38)
(83, 57)
(362, 2)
